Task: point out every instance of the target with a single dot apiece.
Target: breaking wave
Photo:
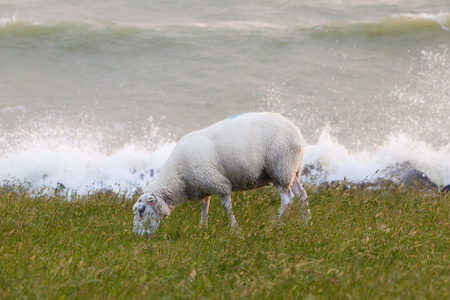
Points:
(83, 167)
(395, 24)
(337, 162)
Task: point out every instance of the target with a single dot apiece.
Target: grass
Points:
(363, 244)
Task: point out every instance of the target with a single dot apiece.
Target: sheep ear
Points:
(162, 207)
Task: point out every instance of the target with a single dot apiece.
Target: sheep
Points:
(240, 153)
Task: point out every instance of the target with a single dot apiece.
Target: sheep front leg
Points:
(226, 203)
(205, 208)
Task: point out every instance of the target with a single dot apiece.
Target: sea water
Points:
(96, 94)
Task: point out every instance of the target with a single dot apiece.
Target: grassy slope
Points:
(363, 244)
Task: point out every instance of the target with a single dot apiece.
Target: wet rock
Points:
(446, 189)
(60, 186)
(60, 189)
(337, 185)
(147, 173)
(379, 183)
(399, 175)
(10, 189)
(410, 177)
(312, 169)
(14, 188)
(313, 173)
(403, 175)
(103, 192)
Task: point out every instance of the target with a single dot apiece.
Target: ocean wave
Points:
(83, 167)
(398, 24)
(4, 22)
(15, 25)
(338, 162)
(410, 22)
(395, 24)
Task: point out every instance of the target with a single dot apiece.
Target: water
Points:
(96, 94)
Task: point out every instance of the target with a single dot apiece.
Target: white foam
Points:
(20, 108)
(84, 169)
(338, 162)
(239, 25)
(225, 25)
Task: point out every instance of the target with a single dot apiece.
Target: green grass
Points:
(362, 244)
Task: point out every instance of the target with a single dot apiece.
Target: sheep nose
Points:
(141, 209)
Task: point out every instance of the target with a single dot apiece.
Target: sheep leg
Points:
(301, 195)
(226, 203)
(286, 196)
(205, 208)
(298, 190)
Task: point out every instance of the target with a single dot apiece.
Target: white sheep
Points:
(240, 153)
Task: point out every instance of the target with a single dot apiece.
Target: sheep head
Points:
(148, 213)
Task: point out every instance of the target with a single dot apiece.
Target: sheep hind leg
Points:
(205, 207)
(301, 195)
(286, 197)
(226, 203)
